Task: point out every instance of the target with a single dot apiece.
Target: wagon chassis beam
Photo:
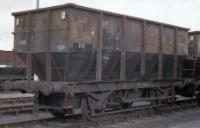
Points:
(121, 85)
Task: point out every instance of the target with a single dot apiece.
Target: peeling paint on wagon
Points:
(111, 32)
(168, 41)
(39, 32)
(21, 33)
(84, 29)
(152, 38)
(59, 30)
(133, 36)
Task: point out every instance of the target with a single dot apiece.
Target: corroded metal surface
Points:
(84, 29)
(60, 38)
(152, 38)
(168, 40)
(133, 36)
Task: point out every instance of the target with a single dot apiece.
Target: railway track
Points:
(75, 121)
(15, 103)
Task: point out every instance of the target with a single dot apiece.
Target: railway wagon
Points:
(10, 58)
(194, 45)
(99, 61)
(11, 67)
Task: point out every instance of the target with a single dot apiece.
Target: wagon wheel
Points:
(94, 105)
(87, 109)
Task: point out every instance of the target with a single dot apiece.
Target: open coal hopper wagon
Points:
(102, 62)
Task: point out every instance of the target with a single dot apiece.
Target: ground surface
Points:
(184, 119)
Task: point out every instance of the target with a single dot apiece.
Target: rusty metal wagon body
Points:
(81, 52)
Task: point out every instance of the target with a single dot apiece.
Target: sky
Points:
(185, 13)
